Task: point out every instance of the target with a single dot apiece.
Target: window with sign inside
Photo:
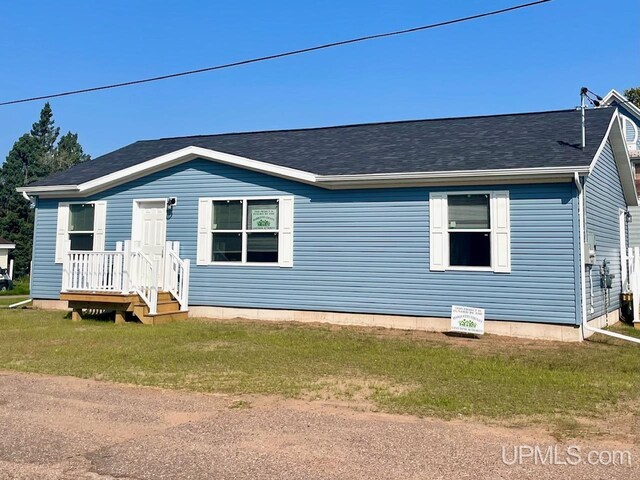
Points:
(245, 231)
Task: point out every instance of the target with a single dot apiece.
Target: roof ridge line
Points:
(350, 125)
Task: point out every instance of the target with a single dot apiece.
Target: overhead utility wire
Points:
(275, 56)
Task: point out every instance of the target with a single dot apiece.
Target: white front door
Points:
(149, 231)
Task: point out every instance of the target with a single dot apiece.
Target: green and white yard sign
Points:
(263, 217)
(467, 319)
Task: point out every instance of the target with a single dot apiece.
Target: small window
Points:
(81, 226)
(245, 231)
(469, 230)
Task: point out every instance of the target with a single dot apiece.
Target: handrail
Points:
(128, 270)
(144, 280)
(176, 274)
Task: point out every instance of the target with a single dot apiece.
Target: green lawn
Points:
(397, 372)
(5, 302)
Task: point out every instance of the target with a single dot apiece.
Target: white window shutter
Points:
(438, 247)
(204, 232)
(99, 225)
(61, 231)
(501, 241)
(285, 239)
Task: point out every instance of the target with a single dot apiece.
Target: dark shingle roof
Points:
(4, 241)
(525, 140)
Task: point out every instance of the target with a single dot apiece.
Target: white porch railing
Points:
(176, 274)
(144, 279)
(126, 270)
(93, 271)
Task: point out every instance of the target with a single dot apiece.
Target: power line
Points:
(277, 55)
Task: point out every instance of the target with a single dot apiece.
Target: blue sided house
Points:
(386, 224)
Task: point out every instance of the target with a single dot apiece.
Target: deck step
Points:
(142, 312)
(163, 307)
(164, 296)
(168, 309)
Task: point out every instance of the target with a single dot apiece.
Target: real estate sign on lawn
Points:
(467, 319)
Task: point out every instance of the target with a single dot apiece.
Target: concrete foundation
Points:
(538, 331)
(604, 321)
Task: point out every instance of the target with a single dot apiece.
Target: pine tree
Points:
(16, 215)
(633, 95)
(34, 156)
(68, 152)
(44, 130)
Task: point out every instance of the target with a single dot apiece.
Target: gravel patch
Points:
(69, 428)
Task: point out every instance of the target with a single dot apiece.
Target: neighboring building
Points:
(630, 120)
(5, 249)
(386, 224)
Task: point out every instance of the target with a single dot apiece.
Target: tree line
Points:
(35, 155)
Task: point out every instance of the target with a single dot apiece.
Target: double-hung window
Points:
(81, 227)
(470, 231)
(246, 231)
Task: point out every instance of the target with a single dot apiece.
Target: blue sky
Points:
(532, 59)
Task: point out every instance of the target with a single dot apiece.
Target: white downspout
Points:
(585, 325)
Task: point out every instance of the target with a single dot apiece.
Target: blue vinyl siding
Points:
(603, 200)
(634, 227)
(354, 250)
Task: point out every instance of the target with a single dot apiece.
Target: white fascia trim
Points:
(168, 160)
(540, 174)
(614, 95)
(615, 119)
(625, 168)
(190, 153)
(623, 160)
(50, 188)
(7, 246)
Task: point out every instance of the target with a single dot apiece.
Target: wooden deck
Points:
(168, 307)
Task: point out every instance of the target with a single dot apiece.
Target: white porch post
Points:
(167, 283)
(126, 267)
(185, 284)
(66, 264)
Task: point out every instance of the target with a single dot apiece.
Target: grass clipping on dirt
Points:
(403, 372)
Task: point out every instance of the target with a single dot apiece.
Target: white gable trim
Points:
(619, 146)
(453, 177)
(614, 96)
(377, 180)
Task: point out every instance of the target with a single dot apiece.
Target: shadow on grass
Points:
(104, 316)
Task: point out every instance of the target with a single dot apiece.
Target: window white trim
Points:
(500, 231)
(284, 231)
(62, 228)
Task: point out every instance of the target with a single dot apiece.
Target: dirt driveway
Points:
(67, 428)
